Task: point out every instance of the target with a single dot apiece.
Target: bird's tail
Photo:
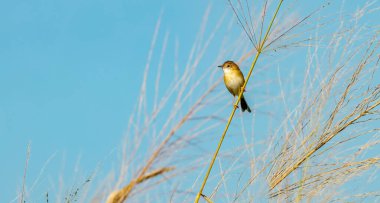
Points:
(244, 105)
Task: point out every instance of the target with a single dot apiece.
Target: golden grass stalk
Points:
(259, 50)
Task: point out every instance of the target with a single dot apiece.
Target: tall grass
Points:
(313, 134)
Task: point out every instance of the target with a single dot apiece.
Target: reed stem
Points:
(259, 50)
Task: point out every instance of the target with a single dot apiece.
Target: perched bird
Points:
(234, 81)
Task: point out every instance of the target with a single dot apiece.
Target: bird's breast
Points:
(233, 80)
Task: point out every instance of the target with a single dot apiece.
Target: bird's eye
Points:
(228, 66)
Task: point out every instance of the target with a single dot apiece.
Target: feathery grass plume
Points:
(314, 130)
(342, 111)
(117, 196)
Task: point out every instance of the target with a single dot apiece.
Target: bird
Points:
(234, 81)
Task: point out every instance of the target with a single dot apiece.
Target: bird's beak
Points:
(220, 66)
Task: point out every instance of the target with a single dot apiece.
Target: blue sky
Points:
(70, 74)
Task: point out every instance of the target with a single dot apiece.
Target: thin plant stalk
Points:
(259, 51)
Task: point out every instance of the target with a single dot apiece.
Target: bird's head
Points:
(229, 65)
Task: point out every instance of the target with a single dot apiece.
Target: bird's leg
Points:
(235, 105)
(242, 89)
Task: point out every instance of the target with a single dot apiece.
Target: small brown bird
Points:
(234, 81)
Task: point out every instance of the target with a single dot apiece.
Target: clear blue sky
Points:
(70, 73)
